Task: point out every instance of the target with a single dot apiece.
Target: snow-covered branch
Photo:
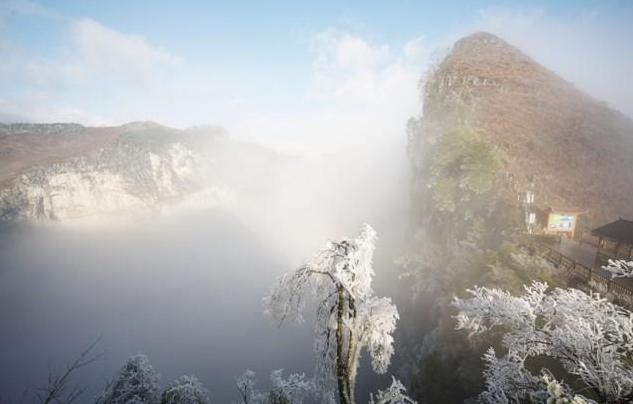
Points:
(292, 390)
(394, 394)
(619, 268)
(592, 339)
(185, 390)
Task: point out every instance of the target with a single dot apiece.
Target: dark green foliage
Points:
(462, 184)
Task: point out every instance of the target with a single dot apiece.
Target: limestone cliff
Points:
(64, 171)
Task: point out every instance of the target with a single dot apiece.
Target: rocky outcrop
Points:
(77, 171)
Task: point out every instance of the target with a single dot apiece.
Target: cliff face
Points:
(64, 171)
(575, 150)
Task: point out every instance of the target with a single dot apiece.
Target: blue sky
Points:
(295, 74)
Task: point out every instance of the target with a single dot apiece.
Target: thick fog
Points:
(185, 286)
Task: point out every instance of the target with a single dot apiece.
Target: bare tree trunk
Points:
(342, 371)
(352, 351)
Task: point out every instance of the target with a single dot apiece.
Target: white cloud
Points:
(344, 50)
(350, 69)
(368, 90)
(98, 72)
(101, 50)
(359, 93)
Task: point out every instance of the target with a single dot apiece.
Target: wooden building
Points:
(615, 241)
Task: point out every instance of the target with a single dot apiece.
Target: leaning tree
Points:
(348, 315)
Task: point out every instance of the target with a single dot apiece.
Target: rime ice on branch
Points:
(394, 394)
(590, 337)
(620, 268)
(185, 390)
(348, 316)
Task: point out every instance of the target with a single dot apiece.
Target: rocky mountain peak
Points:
(483, 43)
(574, 149)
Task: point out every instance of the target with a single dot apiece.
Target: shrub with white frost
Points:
(292, 390)
(136, 382)
(394, 394)
(590, 337)
(185, 390)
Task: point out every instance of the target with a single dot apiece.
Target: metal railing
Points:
(587, 275)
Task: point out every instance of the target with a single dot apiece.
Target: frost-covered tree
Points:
(292, 390)
(185, 390)
(620, 268)
(394, 394)
(136, 382)
(590, 337)
(246, 387)
(348, 315)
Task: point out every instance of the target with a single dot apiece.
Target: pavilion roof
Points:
(621, 230)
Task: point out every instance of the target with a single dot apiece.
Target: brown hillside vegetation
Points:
(576, 150)
(23, 146)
